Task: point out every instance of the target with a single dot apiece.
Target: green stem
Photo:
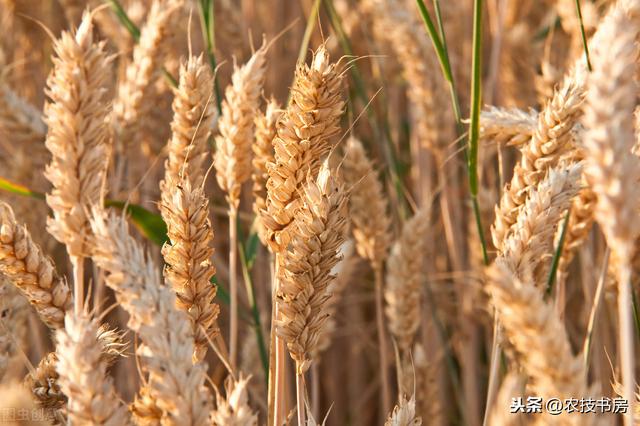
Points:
(583, 35)
(207, 24)
(558, 252)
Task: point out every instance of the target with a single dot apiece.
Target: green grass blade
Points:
(125, 20)
(149, 224)
(312, 21)
(207, 24)
(15, 188)
(474, 126)
(558, 252)
(585, 46)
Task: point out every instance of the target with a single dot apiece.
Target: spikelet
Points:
(305, 269)
(77, 137)
(304, 135)
(26, 267)
(537, 339)
(507, 126)
(148, 55)
(44, 385)
(187, 255)
(175, 384)
(83, 377)
(528, 249)
(232, 159)
(403, 290)
(193, 115)
(16, 401)
(551, 141)
(404, 414)
(609, 138)
(265, 131)
(234, 410)
(13, 327)
(368, 207)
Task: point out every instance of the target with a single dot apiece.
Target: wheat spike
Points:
(175, 384)
(368, 207)
(404, 414)
(304, 135)
(265, 131)
(233, 146)
(77, 136)
(234, 409)
(19, 120)
(405, 274)
(188, 258)
(13, 330)
(507, 126)
(83, 377)
(551, 141)
(148, 55)
(512, 387)
(528, 249)
(44, 386)
(193, 115)
(305, 269)
(34, 274)
(537, 338)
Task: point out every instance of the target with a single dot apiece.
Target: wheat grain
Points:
(44, 386)
(507, 126)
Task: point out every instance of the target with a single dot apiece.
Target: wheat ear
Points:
(234, 409)
(403, 287)
(404, 413)
(78, 140)
(44, 386)
(305, 134)
(19, 121)
(537, 338)
(83, 375)
(305, 271)
(188, 258)
(233, 161)
(610, 169)
(34, 274)
(175, 384)
(370, 223)
(265, 131)
(193, 115)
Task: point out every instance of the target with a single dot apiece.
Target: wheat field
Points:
(319, 212)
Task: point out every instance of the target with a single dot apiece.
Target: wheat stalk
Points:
(175, 384)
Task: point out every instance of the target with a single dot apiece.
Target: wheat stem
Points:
(625, 318)
(300, 391)
(233, 285)
(382, 337)
(78, 283)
